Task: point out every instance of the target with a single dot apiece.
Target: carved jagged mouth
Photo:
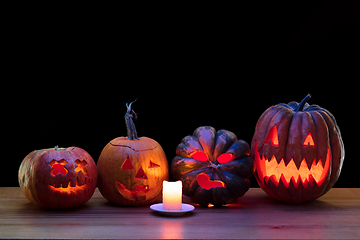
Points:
(68, 189)
(276, 172)
(133, 194)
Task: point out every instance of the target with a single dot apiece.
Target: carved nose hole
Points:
(140, 175)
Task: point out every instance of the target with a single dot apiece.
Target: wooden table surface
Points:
(336, 215)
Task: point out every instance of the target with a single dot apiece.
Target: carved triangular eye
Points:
(153, 165)
(309, 141)
(127, 165)
(273, 136)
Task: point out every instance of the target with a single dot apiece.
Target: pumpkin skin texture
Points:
(135, 184)
(132, 169)
(58, 178)
(214, 167)
(298, 151)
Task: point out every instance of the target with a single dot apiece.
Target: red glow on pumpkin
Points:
(127, 165)
(309, 141)
(273, 136)
(199, 156)
(225, 157)
(204, 181)
(58, 167)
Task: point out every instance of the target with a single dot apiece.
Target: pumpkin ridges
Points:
(192, 142)
(336, 146)
(307, 122)
(309, 126)
(322, 139)
(184, 150)
(223, 141)
(35, 180)
(212, 189)
(283, 121)
(242, 167)
(323, 147)
(28, 184)
(239, 149)
(236, 184)
(181, 165)
(206, 137)
(189, 181)
(264, 122)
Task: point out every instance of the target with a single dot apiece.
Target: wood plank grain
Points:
(254, 216)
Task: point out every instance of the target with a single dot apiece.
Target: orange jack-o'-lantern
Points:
(298, 151)
(132, 169)
(58, 177)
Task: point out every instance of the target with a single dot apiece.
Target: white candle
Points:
(172, 195)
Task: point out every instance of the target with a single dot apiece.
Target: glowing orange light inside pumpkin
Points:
(199, 156)
(225, 157)
(273, 136)
(204, 181)
(81, 166)
(68, 189)
(58, 167)
(309, 141)
(279, 172)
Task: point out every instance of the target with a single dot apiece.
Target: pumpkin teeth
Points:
(131, 193)
(276, 172)
(68, 189)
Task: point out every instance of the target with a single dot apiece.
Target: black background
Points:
(69, 73)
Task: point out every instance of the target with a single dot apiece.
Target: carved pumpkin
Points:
(58, 177)
(132, 169)
(298, 151)
(214, 167)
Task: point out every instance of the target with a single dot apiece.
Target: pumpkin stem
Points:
(130, 126)
(302, 103)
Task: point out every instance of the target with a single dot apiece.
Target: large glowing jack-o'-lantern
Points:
(298, 151)
(58, 177)
(132, 169)
(214, 166)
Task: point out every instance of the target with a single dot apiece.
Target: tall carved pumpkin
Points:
(58, 177)
(132, 169)
(298, 151)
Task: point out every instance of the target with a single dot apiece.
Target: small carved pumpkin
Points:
(132, 169)
(214, 167)
(298, 151)
(58, 177)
